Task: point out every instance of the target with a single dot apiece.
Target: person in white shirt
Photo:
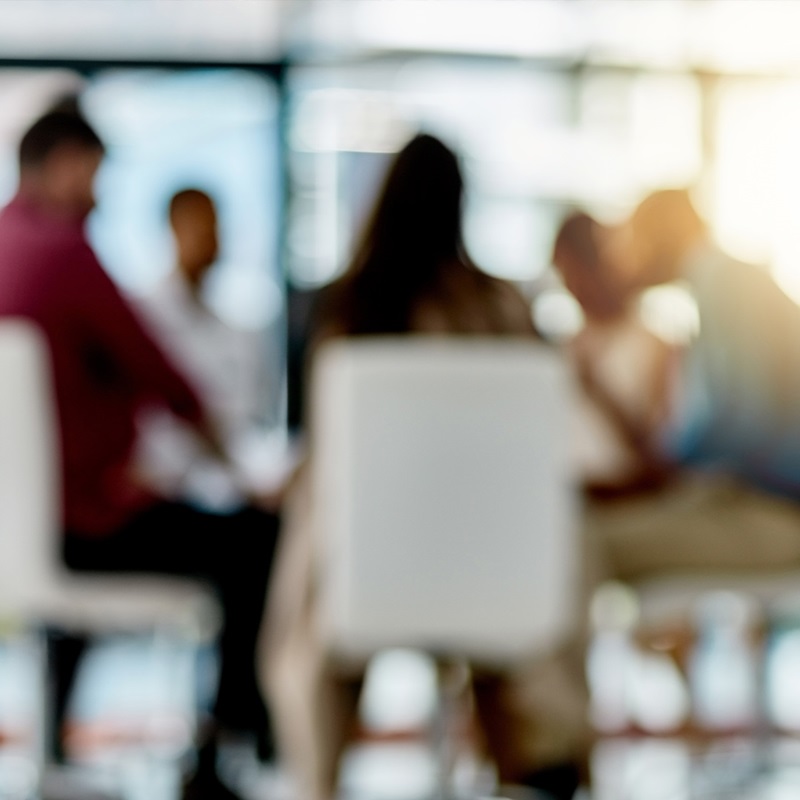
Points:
(229, 366)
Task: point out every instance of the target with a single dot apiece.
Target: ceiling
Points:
(742, 36)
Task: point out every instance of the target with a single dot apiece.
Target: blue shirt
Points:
(739, 409)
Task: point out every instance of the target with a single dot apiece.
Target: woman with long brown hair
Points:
(410, 274)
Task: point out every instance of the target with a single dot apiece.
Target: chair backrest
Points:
(29, 471)
(443, 496)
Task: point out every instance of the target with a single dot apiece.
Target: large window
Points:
(534, 142)
(756, 171)
(551, 105)
(215, 129)
(212, 129)
(503, 121)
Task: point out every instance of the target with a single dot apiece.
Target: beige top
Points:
(463, 301)
(621, 364)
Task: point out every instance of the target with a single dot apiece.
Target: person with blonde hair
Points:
(701, 439)
(650, 507)
(740, 376)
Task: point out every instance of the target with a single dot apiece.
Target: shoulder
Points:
(511, 309)
(725, 280)
(467, 300)
(330, 308)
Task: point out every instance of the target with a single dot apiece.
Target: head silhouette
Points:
(413, 233)
(416, 221)
(193, 219)
(58, 157)
(580, 253)
(664, 227)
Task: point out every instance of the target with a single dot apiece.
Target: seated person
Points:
(648, 510)
(624, 369)
(410, 274)
(740, 376)
(230, 366)
(106, 369)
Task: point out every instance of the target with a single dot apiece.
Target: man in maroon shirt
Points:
(106, 368)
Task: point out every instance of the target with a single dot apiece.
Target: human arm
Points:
(118, 351)
(632, 394)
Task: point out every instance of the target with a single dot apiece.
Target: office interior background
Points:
(287, 112)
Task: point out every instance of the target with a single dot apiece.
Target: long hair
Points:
(413, 233)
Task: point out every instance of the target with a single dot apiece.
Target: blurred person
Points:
(105, 370)
(740, 376)
(410, 274)
(646, 511)
(623, 368)
(648, 508)
(230, 366)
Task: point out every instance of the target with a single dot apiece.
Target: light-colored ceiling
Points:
(724, 35)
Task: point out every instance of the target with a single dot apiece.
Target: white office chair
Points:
(444, 499)
(35, 587)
